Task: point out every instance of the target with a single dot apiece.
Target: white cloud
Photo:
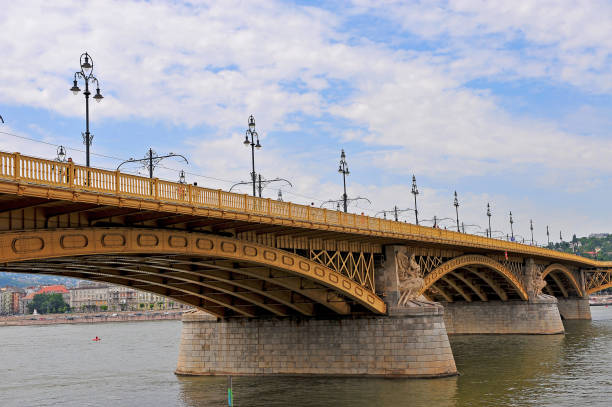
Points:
(214, 63)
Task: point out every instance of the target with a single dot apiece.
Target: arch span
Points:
(566, 272)
(473, 260)
(220, 275)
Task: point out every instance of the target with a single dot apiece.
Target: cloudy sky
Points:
(504, 102)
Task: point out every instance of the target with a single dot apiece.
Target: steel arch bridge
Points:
(236, 255)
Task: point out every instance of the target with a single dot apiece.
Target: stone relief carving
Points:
(409, 277)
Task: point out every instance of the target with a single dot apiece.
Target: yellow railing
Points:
(23, 168)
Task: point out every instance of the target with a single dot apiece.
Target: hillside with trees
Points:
(595, 246)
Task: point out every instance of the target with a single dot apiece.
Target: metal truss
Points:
(358, 266)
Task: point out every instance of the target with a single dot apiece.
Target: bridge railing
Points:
(21, 168)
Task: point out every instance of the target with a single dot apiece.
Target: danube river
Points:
(133, 365)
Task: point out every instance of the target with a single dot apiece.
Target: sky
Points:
(507, 103)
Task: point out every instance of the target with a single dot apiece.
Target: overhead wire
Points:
(284, 191)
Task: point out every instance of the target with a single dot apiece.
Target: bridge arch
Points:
(221, 275)
(593, 290)
(469, 261)
(567, 273)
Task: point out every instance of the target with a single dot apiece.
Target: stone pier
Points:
(412, 343)
(574, 308)
(409, 341)
(537, 316)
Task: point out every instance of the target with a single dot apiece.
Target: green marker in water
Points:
(230, 396)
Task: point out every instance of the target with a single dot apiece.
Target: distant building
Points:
(24, 302)
(122, 298)
(89, 297)
(9, 300)
(599, 235)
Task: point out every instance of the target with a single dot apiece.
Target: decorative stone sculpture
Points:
(409, 276)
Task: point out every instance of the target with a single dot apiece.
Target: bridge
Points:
(311, 273)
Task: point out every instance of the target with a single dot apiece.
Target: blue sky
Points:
(505, 102)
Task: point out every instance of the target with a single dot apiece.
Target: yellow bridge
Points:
(236, 255)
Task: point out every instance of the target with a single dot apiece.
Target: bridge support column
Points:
(574, 308)
(414, 344)
(410, 341)
(537, 316)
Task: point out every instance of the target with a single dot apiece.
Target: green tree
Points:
(48, 304)
(103, 307)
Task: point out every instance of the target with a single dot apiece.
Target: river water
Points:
(133, 365)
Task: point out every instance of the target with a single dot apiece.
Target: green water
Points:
(133, 366)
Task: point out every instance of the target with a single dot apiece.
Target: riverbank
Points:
(88, 318)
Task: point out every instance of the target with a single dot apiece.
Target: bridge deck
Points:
(102, 196)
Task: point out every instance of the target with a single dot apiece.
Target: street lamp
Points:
(86, 73)
(395, 211)
(456, 203)
(489, 215)
(151, 160)
(61, 154)
(531, 228)
(254, 145)
(415, 192)
(511, 226)
(346, 201)
(343, 169)
(436, 221)
(262, 183)
(547, 236)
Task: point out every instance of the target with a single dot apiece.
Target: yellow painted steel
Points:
(32, 176)
(566, 272)
(472, 260)
(56, 243)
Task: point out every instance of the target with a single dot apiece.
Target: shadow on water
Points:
(320, 391)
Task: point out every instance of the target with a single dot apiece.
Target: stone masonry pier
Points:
(538, 316)
(574, 308)
(410, 343)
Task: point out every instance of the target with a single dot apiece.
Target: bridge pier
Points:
(537, 316)
(408, 344)
(574, 308)
(409, 341)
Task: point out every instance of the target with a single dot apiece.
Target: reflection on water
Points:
(133, 365)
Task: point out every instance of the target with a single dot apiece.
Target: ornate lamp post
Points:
(343, 169)
(151, 160)
(86, 73)
(489, 215)
(547, 236)
(415, 192)
(531, 228)
(61, 154)
(395, 211)
(511, 226)
(456, 203)
(250, 132)
(262, 183)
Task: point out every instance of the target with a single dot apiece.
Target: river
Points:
(133, 364)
